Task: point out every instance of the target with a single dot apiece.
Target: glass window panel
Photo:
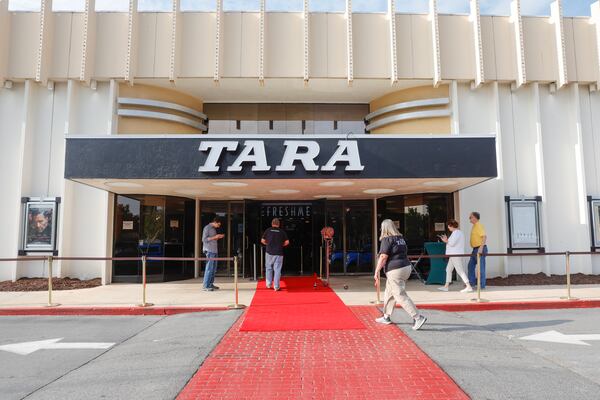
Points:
(285, 5)
(126, 231)
(241, 5)
(359, 226)
(198, 5)
(209, 210)
(112, 5)
(334, 219)
(153, 232)
(154, 5)
(596, 221)
(327, 6)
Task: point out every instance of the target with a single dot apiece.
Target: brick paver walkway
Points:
(379, 362)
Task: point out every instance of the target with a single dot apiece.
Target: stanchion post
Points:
(321, 262)
(50, 303)
(478, 272)
(254, 259)
(378, 293)
(301, 260)
(237, 304)
(262, 262)
(144, 303)
(568, 273)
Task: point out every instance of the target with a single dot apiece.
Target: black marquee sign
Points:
(280, 157)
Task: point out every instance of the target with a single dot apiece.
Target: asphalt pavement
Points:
(152, 357)
(501, 354)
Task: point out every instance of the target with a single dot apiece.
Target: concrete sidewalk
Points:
(360, 292)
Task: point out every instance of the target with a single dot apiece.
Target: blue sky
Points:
(488, 7)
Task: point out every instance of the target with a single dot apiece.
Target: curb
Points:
(512, 305)
(167, 310)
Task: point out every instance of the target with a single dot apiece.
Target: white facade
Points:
(60, 75)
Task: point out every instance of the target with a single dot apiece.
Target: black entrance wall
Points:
(383, 156)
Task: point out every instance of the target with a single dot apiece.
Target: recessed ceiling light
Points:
(440, 183)
(284, 191)
(336, 183)
(378, 191)
(230, 184)
(242, 197)
(124, 184)
(327, 196)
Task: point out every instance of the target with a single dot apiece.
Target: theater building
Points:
(127, 132)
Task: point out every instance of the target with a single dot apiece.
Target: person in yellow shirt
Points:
(478, 243)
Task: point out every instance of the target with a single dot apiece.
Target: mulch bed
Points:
(39, 284)
(543, 279)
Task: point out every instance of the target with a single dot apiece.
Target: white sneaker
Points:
(443, 289)
(383, 320)
(419, 322)
(468, 289)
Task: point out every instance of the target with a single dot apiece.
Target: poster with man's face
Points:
(39, 226)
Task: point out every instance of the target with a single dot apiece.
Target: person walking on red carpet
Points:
(275, 239)
(393, 259)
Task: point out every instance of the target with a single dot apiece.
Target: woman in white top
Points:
(455, 244)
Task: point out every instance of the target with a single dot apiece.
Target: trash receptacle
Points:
(437, 271)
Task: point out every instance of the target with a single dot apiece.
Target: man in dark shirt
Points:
(275, 239)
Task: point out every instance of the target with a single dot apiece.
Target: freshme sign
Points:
(290, 210)
(304, 151)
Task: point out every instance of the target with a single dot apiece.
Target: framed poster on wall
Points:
(40, 220)
(524, 230)
(594, 205)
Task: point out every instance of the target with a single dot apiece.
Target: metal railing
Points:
(566, 254)
(144, 259)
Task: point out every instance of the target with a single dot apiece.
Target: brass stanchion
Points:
(144, 304)
(50, 303)
(237, 304)
(478, 272)
(262, 263)
(568, 273)
(321, 262)
(301, 260)
(378, 291)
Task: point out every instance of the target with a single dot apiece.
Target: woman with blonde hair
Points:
(393, 259)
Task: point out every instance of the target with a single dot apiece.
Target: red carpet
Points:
(298, 306)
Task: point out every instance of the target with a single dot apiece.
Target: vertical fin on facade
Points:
(132, 38)
(218, 40)
(515, 16)
(596, 21)
(4, 40)
(556, 16)
(393, 47)
(261, 44)
(349, 45)
(175, 40)
(435, 45)
(88, 42)
(476, 21)
(306, 20)
(43, 59)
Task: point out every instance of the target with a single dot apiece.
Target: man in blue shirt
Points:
(210, 248)
(275, 239)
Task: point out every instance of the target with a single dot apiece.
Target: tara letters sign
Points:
(303, 152)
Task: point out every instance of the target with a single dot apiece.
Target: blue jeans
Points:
(273, 265)
(473, 266)
(211, 269)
